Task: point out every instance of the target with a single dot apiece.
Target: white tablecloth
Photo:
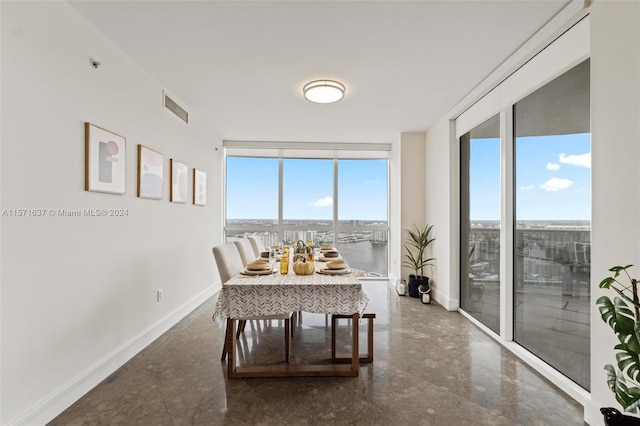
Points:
(274, 294)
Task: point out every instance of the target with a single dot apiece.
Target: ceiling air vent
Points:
(176, 109)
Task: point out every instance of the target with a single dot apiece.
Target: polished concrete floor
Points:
(550, 321)
(431, 367)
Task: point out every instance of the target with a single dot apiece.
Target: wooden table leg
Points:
(231, 349)
(334, 323)
(355, 338)
(292, 370)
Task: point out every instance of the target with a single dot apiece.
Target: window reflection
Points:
(480, 216)
(552, 262)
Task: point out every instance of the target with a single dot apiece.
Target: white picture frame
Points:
(199, 187)
(150, 173)
(179, 182)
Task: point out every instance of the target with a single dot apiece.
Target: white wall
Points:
(395, 209)
(412, 189)
(615, 118)
(79, 293)
(442, 210)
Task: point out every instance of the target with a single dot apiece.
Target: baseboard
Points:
(444, 300)
(592, 415)
(51, 406)
(441, 298)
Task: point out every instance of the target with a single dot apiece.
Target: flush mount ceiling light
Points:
(323, 91)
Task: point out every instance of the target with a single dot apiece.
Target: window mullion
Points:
(280, 199)
(335, 201)
(506, 224)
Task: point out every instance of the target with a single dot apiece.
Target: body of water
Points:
(366, 256)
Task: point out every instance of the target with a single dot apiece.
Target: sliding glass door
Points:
(539, 236)
(552, 259)
(480, 219)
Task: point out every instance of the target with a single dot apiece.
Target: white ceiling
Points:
(241, 65)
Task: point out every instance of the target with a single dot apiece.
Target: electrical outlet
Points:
(159, 294)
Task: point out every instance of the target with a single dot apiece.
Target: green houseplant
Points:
(623, 378)
(415, 257)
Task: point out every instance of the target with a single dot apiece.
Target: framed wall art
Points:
(199, 188)
(150, 173)
(179, 182)
(105, 160)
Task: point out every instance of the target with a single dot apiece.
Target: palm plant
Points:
(415, 248)
(624, 381)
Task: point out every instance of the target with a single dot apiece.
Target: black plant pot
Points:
(415, 282)
(613, 417)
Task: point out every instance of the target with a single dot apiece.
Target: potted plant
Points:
(414, 258)
(623, 378)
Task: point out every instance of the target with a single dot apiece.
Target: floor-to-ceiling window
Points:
(339, 201)
(307, 200)
(362, 213)
(252, 197)
(480, 219)
(525, 202)
(552, 259)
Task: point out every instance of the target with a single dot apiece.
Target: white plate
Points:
(266, 259)
(343, 266)
(328, 259)
(334, 271)
(263, 272)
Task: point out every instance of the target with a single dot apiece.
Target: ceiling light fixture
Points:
(323, 91)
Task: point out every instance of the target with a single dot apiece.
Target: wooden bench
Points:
(369, 316)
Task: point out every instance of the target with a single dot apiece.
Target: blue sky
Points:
(252, 189)
(553, 178)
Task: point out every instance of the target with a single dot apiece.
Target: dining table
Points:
(276, 293)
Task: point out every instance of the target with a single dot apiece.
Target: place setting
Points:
(329, 254)
(258, 267)
(272, 255)
(334, 267)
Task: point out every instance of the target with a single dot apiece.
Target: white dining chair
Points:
(228, 261)
(230, 264)
(257, 244)
(246, 250)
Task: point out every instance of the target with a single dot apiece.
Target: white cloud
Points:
(527, 188)
(556, 184)
(553, 166)
(323, 202)
(579, 160)
(371, 181)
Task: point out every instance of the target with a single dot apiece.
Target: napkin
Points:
(257, 265)
(336, 264)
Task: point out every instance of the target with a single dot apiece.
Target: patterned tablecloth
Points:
(276, 294)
